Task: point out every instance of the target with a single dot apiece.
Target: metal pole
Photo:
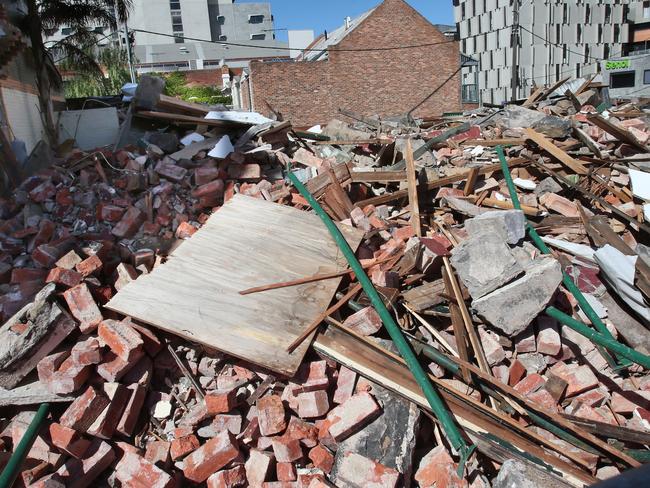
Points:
(600, 339)
(515, 41)
(12, 470)
(430, 393)
(129, 55)
(566, 279)
(118, 31)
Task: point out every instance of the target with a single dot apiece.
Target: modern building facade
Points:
(215, 20)
(558, 39)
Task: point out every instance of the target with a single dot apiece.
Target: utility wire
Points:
(280, 48)
(555, 44)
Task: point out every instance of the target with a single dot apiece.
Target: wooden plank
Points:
(411, 175)
(620, 133)
(319, 183)
(339, 193)
(534, 96)
(381, 366)
(510, 141)
(432, 185)
(176, 105)
(556, 152)
(195, 294)
(588, 141)
(459, 328)
(471, 181)
(425, 296)
(358, 142)
(189, 119)
(377, 176)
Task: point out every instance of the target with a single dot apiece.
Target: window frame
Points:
(619, 74)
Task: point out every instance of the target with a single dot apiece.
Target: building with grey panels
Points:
(558, 39)
(627, 77)
(216, 20)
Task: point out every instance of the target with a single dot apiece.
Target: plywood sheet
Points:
(248, 242)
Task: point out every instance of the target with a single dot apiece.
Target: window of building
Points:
(608, 14)
(66, 31)
(99, 30)
(600, 33)
(223, 38)
(179, 38)
(617, 33)
(646, 77)
(606, 52)
(255, 19)
(174, 4)
(579, 27)
(565, 14)
(587, 14)
(258, 37)
(623, 79)
(221, 19)
(586, 53)
(646, 10)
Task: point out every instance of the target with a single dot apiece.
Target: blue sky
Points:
(321, 15)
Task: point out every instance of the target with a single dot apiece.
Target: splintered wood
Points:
(247, 242)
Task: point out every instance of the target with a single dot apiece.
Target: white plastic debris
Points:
(252, 118)
(525, 184)
(222, 148)
(317, 129)
(640, 183)
(190, 138)
(477, 151)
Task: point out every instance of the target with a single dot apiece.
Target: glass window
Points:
(646, 77)
(66, 31)
(622, 79)
(258, 37)
(177, 28)
(174, 4)
(255, 19)
(221, 19)
(179, 40)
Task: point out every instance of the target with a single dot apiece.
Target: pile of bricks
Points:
(133, 406)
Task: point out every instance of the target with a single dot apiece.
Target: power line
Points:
(84, 47)
(280, 48)
(563, 46)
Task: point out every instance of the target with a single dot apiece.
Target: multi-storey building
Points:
(557, 39)
(217, 20)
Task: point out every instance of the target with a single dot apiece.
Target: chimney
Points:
(348, 22)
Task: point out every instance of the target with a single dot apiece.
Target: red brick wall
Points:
(208, 77)
(373, 82)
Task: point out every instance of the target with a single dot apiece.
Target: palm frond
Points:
(75, 58)
(75, 13)
(123, 7)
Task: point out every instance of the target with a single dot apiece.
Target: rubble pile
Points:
(488, 237)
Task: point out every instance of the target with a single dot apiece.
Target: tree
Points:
(115, 73)
(43, 18)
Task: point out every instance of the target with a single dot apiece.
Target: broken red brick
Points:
(127, 423)
(80, 473)
(83, 411)
(158, 452)
(516, 373)
(113, 368)
(210, 457)
(69, 260)
(89, 266)
(365, 322)
(437, 468)
(229, 478)
(122, 339)
(125, 275)
(286, 472)
(106, 422)
(351, 416)
(68, 440)
(152, 344)
(313, 404)
(213, 189)
(65, 277)
(220, 401)
(258, 467)
(130, 223)
(83, 307)
(322, 458)
(182, 446)
(86, 352)
(134, 470)
(286, 450)
(344, 385)
(270, 412)
(185, 230)
(530, 384)
(580, 378)
(357, 470)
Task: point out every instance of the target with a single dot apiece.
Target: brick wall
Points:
(208, 77)
(425, 80)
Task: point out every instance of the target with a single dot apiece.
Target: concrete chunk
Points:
(484, 263)
(513, 307)
(510, 225)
